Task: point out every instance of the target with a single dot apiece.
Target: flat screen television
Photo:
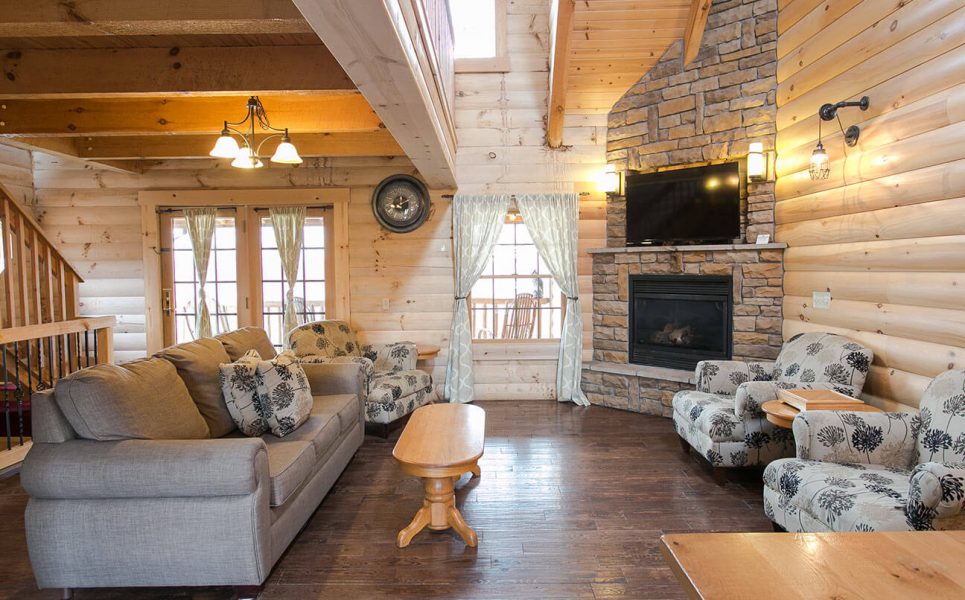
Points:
(684, 206)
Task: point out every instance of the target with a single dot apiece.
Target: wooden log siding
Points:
(885, 234)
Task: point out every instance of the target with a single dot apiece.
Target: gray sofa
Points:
(177, 512)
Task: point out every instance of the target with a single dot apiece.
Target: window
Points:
(479, 35)
(245, 284)
(516, 297)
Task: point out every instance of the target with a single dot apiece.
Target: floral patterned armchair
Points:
(722, 418)
(394, 386)
(875, 471)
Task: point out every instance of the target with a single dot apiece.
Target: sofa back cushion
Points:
(823, 358)
(941, 420)
(198, 363)
(324, 338)
(236, 343)
(141, 399)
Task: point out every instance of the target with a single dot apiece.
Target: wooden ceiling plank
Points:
(162, 71)
(56, 18)
(696, 21)
(181, 115)
(102, 148)
(561, 24)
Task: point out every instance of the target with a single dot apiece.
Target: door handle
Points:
(166, 301)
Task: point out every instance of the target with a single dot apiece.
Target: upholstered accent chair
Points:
(393, 385)
(722, 418)
(859, 471)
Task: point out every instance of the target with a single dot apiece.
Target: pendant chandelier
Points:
(246, 156)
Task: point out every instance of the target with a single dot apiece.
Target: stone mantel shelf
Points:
(693, 248)
(649, 372)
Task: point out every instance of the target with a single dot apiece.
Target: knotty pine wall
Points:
(16, 173)
(886, 233)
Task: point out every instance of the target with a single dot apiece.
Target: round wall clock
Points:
(401, 203)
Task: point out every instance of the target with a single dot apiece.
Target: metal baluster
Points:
(70, 364)
(6, 398)
(87, 348)
(18, 391)
(60, 357)
(50, 360)
(95, 348)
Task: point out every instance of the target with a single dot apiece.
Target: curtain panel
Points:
(289, 225)
(201, 223)
(476, 224)
(553, 221)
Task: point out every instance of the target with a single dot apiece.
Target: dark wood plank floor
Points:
(571, 504)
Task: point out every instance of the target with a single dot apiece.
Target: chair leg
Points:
(66, 593)
(778, 528)
(247, 592)
(684, 444)
(720, 475)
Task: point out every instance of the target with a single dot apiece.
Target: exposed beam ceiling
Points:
(368, 143)
(92, 73)
(696, 22)
(180, 115)
(372, 43)
(561, 26)
(56, 18)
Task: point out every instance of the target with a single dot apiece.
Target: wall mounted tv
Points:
(684, 206)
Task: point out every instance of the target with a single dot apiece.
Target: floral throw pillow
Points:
(283, 386)
(239, 384)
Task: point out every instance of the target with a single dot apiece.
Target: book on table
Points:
(804, 399)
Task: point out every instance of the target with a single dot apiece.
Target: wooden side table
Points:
(426, 351)
(782, 414)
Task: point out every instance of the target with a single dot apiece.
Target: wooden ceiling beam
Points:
(561, 25)
(102, 148)
(56, 18)
(696, 21)
(117, 72)
(181, 115)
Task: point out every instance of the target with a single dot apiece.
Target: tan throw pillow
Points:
(141, 399)
(240, 341)
(239, 383)
(284, 386)
(198, 363)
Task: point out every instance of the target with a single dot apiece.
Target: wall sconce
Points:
(756, 162)
(820, 162)
(610, 181)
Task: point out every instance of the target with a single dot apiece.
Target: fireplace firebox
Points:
(677, 321)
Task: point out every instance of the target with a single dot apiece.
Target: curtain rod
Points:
(171, 209)
(511, 197)
(267, 208)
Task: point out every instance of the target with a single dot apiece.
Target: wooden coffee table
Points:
(440, 443)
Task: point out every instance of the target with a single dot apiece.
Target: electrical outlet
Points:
(385, 304)
(821, 300)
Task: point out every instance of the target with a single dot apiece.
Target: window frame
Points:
(494, 64)
(516, 218)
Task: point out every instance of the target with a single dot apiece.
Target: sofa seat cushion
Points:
(841, 497)
(713, 414)
(344, 406)
(239, 341)
(198, 365)
(320, 430)
(386, 408)
(290, 464)
(141, 399)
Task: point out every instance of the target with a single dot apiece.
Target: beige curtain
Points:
(201, 223)
(289, 226)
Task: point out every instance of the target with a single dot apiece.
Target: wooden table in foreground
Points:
(880, 565)
(440, 443)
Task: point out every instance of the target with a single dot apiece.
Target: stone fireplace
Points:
(677, 114)
(678, 320)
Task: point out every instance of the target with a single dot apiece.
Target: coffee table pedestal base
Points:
(439, 511)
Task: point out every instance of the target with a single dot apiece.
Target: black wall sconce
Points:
(820, 162)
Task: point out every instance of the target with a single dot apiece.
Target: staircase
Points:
(41, 337)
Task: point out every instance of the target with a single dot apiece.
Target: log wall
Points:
(885, 234)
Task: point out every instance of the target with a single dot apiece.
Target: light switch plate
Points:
(385, 304)
(821, 300)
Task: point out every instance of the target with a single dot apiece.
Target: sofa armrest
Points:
(398, 356)
(855, 437)
(936, 491)
(365, 365)
(145, 468)
(724, 376)
(335, 378)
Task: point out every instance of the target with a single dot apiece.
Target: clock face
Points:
(401, 203)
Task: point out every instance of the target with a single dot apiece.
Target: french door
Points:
(245, 282)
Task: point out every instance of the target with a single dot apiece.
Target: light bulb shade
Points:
(225, 147)
(246, 159)
(820, 164)
(286, 154)
(756, 162)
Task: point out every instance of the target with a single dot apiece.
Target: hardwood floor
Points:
(571, 504)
